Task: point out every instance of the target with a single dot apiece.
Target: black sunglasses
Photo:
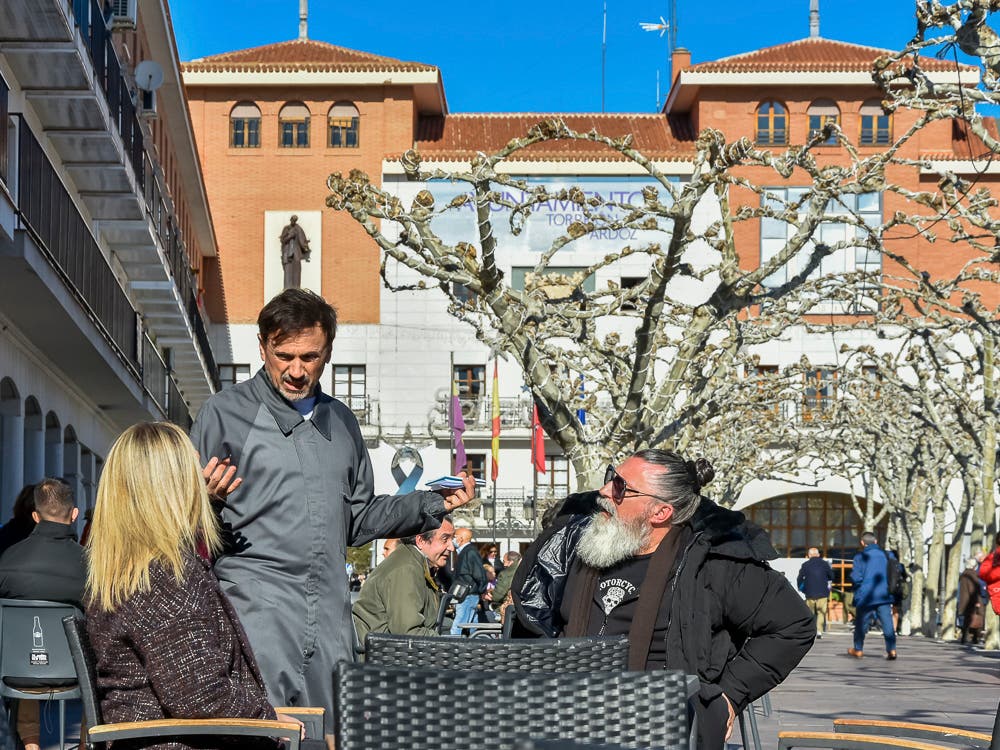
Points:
(620, 488)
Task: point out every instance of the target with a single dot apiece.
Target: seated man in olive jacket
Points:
(400, 596)
(48, 565)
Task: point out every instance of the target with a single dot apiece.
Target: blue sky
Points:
(544, 56)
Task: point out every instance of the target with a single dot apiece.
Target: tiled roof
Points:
(459, 137)
(300, 54)
(812, 54)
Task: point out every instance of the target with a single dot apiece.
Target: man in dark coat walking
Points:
(872, 597)
(686, 580)
(815, 577)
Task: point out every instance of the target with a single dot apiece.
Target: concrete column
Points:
(11, 462)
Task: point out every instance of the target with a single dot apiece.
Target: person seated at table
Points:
(167, 642)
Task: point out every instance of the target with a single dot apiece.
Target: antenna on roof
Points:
(814, 19)
(303, 20)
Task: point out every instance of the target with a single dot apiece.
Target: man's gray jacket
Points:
(307, 495)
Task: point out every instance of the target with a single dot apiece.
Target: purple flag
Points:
(457, 428)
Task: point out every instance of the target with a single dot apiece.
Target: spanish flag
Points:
(496, 423)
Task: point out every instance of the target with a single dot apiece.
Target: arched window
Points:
(342, 126)
(772, 124)
(876, 124)
(821, 112)
(293, 126)
(244, 126)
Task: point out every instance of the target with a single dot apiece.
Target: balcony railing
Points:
(48, 214)
(365, 408)
(477, 412)
(108, 72)
(4, 93)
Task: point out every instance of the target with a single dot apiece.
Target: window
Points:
(244, 126)
(349, 386)
(876, 124)
(872, 385)
(772, 124)
(342, 126)
(774, 234)
(518, 274)
(475, 464)
(293, 126)
(471, 380)
(769, 400)
(630, 282)
(230, 375)
(555, 481)
(820, 113)
(819, 394)
(471, 383)
(463, 295)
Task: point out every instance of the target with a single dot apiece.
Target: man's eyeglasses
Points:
(620, 488)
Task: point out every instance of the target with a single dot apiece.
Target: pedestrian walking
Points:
(815, 579)
(872, 596)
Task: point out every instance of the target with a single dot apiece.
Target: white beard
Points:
(608, 541)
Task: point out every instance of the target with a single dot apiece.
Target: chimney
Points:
(303, 20)
(814, 19)
(680, 59)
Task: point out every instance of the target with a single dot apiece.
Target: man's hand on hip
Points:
(732, 716)
(456, 498)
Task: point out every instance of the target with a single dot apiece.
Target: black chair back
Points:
(385, 708)
(492, 655)
(83, 660)
(33, 650)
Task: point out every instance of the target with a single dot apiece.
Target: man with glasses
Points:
(685, 579)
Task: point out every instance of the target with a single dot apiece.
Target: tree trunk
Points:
(930, 583)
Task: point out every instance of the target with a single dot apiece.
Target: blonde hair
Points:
(152, 506)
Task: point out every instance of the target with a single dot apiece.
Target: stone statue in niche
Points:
(294, 250)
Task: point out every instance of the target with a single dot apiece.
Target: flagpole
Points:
(604, 52)
(451, 412)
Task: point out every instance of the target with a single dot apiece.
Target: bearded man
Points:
(685, 579)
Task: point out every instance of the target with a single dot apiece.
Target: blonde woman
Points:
(167, 641)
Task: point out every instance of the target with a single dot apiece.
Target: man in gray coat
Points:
(307, 495)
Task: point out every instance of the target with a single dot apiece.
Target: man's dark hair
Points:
(869, 538)
(680, 485)
(296, 310)
(427, 536)
(24, 505)
(54, 500)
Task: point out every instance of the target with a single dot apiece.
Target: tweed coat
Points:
(176, 651)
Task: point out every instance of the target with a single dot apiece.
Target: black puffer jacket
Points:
(735, 622)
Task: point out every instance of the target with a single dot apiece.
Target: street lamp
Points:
(508, 521)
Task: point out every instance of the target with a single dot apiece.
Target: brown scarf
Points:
(640, 632)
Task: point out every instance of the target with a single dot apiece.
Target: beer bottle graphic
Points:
(37, 637)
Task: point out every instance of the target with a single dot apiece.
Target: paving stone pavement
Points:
(931, 681)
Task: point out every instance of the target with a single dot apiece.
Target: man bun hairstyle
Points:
(680, 485)
(296, 310)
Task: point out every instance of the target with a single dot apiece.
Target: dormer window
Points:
(342, 125)
(876, 124)
(293, 126)
(823, 112)
(772, 124)
(244, 126)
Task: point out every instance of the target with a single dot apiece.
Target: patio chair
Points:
(35, 662)
(498, 655)
(98, 734)
(387, 708)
